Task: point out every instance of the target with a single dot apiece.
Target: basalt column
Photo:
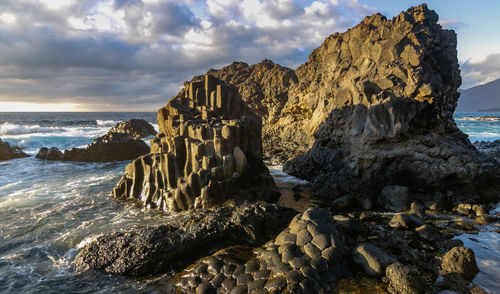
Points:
(208, 151)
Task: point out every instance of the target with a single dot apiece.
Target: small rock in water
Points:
(462, 261)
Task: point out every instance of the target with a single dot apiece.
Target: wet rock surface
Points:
(157, 249)
(7, 152)
(490, 148)
(120, 143)
(208, 151)
(307, 257)
(460, 260)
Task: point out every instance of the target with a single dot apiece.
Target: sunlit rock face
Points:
(208, 150)
(380, 99)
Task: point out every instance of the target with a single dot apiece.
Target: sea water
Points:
(48, 210)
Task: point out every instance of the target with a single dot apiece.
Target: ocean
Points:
(49, 209)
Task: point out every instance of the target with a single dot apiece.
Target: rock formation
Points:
(306, 257)
(157, 249)
(208, 150)
(120, 143)
(7, 152)
(388, 90)
(134, 128)
(379, 100)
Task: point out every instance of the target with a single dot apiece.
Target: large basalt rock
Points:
(143, 251)
(120, 143)
(7, 152)
(208, 150)
(307, 257)
(110, 147)
(134, 128)
(388, 90)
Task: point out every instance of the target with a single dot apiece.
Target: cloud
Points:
(480, 70)
(452, 24)
(137, 53)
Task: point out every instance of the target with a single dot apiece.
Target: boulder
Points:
(110, 147)
(120, 143)
(404, 279)
(208, 151)
(285, 263)
(134, 128)
(49, 154)
(373, 259)
(7, 152)
(394, 198)
(156, 249)
(460, 260)
(407, 221)
(429, 233)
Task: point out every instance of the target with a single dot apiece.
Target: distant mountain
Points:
(480, 98)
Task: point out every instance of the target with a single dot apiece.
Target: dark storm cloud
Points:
(137, 54)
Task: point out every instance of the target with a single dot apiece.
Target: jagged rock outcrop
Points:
(134, 128)
(490, 148)
(208, 150)
(52, 153)
(389, 90)
(120, 143)
(110, 147)
(7, 152)
(143, 251)
(307, 257)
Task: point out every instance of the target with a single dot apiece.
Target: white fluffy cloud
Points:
(138, 52)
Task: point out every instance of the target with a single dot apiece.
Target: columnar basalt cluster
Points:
(307, 257)
(208, 150)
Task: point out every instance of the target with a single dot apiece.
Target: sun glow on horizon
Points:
(9, 106)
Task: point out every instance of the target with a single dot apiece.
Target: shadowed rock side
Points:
(307, 257)
(7, 152)
(157, 249)
(389, 88)
(120, 143)
(208, 150)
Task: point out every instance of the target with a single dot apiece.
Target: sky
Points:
(133, 55)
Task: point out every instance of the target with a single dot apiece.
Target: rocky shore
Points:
(122, 142)
(7, 152)
(398, 180)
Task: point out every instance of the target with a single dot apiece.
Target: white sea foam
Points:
(107, 123)
(279, 175)
(13, 129)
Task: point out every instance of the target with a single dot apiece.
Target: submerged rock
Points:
(209, 150)
(156, 249)
(7, 152)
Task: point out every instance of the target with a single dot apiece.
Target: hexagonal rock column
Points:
(208, 150)
(306, 257)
